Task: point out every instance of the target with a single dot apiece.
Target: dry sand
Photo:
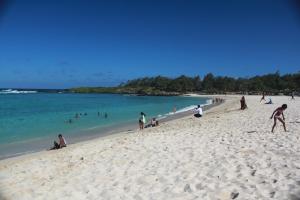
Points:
(227, 154)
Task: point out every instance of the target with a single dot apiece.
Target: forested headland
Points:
(273, 83)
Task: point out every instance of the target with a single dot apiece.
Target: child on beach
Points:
(278, 112)
(154, 122)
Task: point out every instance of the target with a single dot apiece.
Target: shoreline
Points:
(43, 144)
(228, 152)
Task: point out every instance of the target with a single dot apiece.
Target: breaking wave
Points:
(11, 91)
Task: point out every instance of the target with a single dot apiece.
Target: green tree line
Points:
(160, 85)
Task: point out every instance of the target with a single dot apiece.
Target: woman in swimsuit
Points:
(278, 112)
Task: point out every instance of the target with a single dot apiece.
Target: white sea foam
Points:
(11, 91)
(185, 109)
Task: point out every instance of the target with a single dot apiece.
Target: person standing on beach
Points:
(278, 112)
(293, 96)
(263, 97)
(243, 103)
(142, 121)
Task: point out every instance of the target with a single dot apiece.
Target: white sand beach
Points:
(226, 154)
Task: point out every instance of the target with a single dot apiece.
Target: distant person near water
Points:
(105, 115)
(243, 103)
(263, 97)
(69, 121)
(142, 120)
(278, 112)
(62, 143)
(198, 112)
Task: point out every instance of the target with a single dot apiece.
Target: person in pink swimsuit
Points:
(278, 112)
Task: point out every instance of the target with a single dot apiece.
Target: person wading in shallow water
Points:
(278, 112)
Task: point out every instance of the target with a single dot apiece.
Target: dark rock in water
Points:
(234, 195)
(187, 188)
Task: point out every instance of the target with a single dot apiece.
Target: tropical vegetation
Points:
(160, 85)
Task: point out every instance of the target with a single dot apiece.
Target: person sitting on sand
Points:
(154, 122)
(278, 112)
(62, 143)
(243, 103)
(270, 101)
(198, 111)
(142, 120)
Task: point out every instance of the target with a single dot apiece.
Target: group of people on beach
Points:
(278, 112)
(142, 121)
(217, 100)
(263, 99)
(198, 112)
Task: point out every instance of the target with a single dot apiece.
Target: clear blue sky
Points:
(61, 44)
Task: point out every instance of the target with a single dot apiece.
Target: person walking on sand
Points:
(263, 97)
(278, 112)
(142, 121)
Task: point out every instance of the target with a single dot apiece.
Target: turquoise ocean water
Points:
(29, 117)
